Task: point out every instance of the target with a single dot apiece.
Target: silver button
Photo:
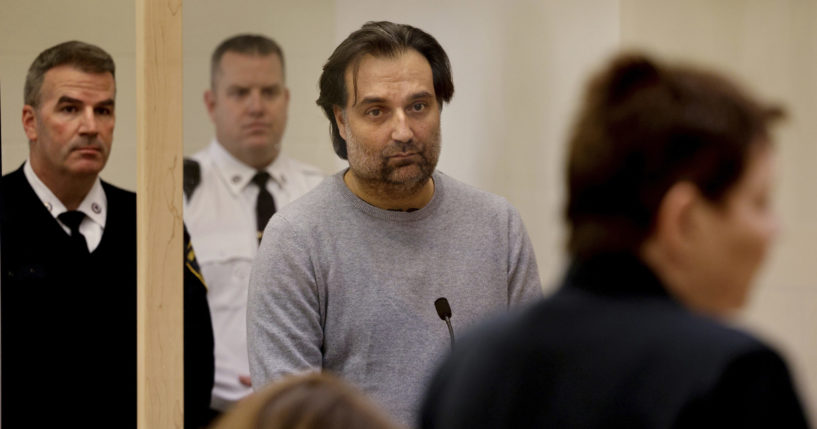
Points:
(96, 208)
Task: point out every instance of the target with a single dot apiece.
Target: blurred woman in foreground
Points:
(669, 212)
(310, 401)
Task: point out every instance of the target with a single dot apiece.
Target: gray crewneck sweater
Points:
(343, 286)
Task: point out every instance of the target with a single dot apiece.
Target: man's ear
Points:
(339, 119)
(30, 122)
(675, 221)
(210, 102)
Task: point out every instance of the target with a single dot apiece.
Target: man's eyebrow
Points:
(67, 99)
(377, 100)
(371, 100)
(72, 100)
(420, 95)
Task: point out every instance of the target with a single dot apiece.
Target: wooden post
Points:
(159, 212)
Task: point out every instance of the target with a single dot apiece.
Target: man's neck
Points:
(69, 190)
(256, 159)
(388, 196)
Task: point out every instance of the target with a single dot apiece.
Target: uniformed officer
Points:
(68, 251)
(69, 259)
(233, 187)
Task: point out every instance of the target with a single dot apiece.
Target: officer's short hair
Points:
(248, 44)
(83, 56)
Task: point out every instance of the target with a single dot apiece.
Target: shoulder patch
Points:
(191, 177)
(190, 262)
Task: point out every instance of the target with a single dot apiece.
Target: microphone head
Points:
(443, 309)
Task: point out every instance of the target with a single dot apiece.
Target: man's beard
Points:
(398, 177)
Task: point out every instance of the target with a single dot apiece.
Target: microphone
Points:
(444, 311)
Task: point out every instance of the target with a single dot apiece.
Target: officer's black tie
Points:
(72, 219)
(265, 205)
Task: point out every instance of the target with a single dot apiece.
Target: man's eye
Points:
(106, 111)
(68, 109)
(374, 112)
(239, 93)
(418, 107)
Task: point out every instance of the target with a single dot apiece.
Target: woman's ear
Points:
(676, 220)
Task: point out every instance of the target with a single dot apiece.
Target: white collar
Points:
(238, 175)
(94, 205)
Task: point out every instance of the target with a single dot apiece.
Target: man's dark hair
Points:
(379, 39)
(82, 56)
(644, 127)
(248, 44)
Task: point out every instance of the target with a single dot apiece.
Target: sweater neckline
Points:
(392, 215)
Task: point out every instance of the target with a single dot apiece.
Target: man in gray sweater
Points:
(346, 277)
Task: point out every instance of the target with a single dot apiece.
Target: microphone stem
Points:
(450, 330)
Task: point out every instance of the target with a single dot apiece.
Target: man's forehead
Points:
(239, 63)
(370, 71)
(70, 79)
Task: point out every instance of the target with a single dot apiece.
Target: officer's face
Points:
(71, 131)
(248, 106)
(391, 124)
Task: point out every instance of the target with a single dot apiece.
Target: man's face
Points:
(71, 131)
(392, 123)
(248, 106)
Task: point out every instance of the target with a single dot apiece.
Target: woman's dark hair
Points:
(380, 39)
(643, 127)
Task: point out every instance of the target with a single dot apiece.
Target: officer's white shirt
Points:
(220, 216)
(94, 205)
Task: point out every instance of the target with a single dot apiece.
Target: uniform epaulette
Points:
(191, 177)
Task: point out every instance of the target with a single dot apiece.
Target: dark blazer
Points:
(68, 320)
(611, 349)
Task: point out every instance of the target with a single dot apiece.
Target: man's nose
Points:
(402, 128)
(255, 102)
(88, 124)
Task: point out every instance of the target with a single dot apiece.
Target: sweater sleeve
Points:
(524, 284)
(284, 321)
